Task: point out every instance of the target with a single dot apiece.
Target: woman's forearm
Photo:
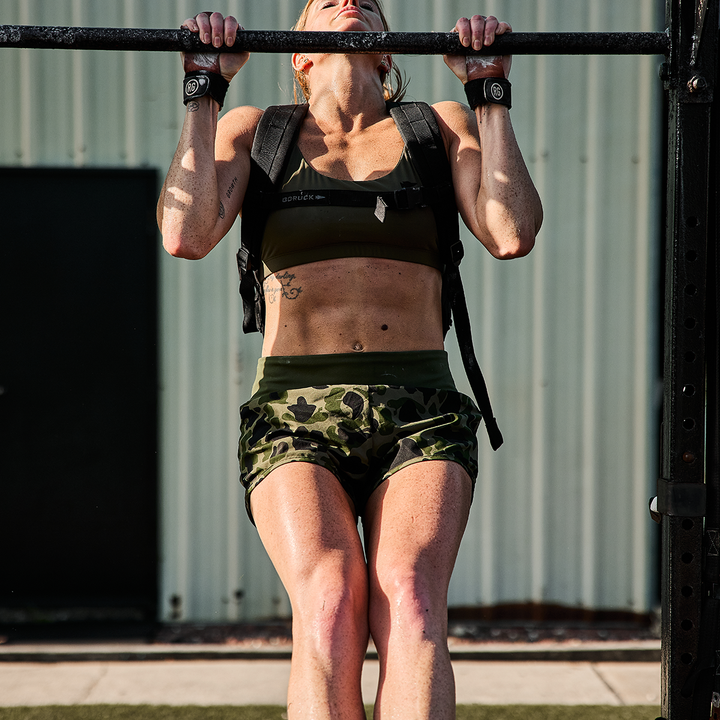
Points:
(508, 206)
(189, 209)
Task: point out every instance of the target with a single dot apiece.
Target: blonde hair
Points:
(394, 83)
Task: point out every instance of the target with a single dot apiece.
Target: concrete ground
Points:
(216, 675)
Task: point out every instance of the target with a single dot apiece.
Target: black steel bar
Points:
(685, 629)
(266, 41)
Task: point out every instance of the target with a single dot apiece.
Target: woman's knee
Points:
(330, 607)
(409, 602)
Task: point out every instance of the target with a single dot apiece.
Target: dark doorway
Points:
(78, 397)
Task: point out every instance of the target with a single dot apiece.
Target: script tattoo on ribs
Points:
(273, 293)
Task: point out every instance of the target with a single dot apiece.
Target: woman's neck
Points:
(347, 91)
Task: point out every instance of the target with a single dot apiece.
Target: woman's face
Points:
(344, 15)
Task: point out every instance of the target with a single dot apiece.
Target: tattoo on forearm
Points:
(230, 190)
(193, 106)
(273, 292)
(222, 211)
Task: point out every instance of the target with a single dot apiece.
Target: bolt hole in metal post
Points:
(689, 390)
(689, 424)
(697, 84)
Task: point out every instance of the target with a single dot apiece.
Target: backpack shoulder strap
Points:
(419, 128)
(274, 137)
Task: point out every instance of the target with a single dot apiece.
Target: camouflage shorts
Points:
(360, 433)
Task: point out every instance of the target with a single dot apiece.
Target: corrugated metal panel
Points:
(567, 336)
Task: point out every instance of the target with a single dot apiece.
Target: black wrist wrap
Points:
(199, 83)
(489, 90)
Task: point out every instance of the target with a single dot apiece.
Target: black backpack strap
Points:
(274, 138)
(419, 129)
(474, 374)
(418, 126)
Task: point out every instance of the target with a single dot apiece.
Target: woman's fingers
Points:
(480, 31)
(464, 31)
(217, 29)
(213, 28)
(231, 29)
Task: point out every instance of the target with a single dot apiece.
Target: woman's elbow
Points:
(179, 247)
(515, 245)
(509, 235)
(511, 251)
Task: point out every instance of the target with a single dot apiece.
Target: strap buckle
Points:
(243, 258)
(457, 253)
(409, 197)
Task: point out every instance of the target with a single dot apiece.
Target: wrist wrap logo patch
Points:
(199, 83)
(195, 87)
(497, 92)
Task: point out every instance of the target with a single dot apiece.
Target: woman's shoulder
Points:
(239, 125)
(457, 122)
(241, 119)
(242, 115)
(453, 113)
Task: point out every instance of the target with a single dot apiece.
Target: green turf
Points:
(276, 712)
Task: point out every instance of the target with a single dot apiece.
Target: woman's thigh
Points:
(308, 526)
(413, 527)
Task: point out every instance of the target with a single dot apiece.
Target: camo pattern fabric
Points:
(360, 433)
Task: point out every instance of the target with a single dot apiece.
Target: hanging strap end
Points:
(493, 431)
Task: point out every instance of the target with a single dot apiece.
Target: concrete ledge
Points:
(641, 651)
(635, 651)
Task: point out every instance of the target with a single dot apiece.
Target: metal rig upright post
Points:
(689, 642)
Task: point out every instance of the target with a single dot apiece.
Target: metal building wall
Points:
(567, 337)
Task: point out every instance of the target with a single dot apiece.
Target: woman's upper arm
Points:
(462, 142)
(233, 144)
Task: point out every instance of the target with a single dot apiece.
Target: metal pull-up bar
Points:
(402, 43)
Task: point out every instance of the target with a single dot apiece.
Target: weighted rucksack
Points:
(275, 137)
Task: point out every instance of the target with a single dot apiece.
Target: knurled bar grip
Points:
(274, 41)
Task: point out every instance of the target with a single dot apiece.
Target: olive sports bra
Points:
(300, 234)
